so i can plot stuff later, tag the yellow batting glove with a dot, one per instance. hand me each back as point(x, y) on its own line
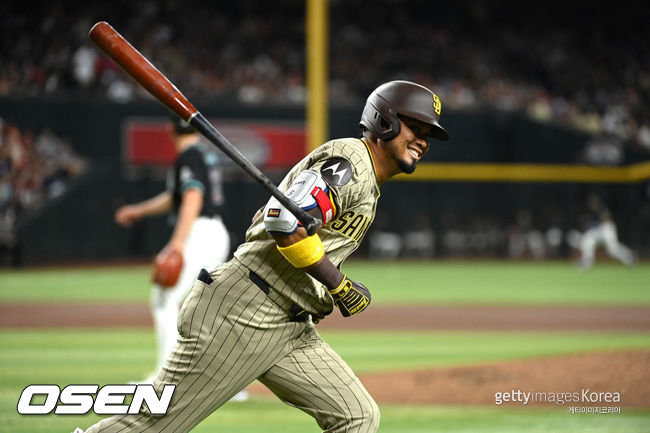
point(351, 297)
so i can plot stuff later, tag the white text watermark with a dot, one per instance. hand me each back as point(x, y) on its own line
point(81, 399)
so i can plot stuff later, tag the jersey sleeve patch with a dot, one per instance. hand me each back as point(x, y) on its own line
point(336, 171)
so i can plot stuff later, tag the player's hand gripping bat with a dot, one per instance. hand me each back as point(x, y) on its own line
point(139, 68)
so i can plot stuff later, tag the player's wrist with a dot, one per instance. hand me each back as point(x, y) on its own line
point(137, 211)
point(175, 245)
point(326, 273)
point(341, 289)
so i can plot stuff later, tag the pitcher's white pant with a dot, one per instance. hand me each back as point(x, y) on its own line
point(207, 246)
point(604, 233)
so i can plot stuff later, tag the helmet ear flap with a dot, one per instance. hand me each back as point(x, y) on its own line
point(383, 125)
point(389, 129)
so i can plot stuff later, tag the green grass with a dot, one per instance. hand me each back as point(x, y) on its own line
point(123, 283)
point(495, 420)
point(117, 356)
point(430, 282)
point(502, 283)
point(380, 351)
point(122, 355)
point(267, 415)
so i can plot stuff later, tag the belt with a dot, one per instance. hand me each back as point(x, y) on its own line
point(297, 314)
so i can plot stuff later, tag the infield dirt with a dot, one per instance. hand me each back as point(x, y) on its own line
point(624, 372)
point(467, 318)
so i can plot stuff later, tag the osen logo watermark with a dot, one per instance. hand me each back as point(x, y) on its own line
point(81, 399)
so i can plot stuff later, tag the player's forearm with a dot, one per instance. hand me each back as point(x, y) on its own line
point(326, 273)
point(162, 203)
point(187, 213)
point(323, 270)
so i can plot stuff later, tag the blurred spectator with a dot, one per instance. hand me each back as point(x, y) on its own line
point(384, 243)
point(60, 163)
point(32, 170)
point(83, 65)
point(482, 236)
point(603, 150)
point(419, 239)
point(524, 238)
point(454, 236)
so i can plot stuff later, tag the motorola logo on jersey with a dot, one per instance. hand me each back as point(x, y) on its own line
point(81, 399)
point(336, 171)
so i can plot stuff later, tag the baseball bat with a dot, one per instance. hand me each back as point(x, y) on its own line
point(139, 68)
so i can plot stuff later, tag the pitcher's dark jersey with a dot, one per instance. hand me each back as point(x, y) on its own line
point(198, 167)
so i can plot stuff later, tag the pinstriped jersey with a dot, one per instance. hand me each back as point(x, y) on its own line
point(355, 203)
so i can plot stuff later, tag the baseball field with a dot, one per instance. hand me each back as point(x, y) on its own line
point(442, 345)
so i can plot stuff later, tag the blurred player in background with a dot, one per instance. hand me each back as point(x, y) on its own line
point(194, 197)
point(253, 317)
point(601, 230)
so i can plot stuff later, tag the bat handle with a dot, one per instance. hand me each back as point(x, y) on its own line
point(311, 223)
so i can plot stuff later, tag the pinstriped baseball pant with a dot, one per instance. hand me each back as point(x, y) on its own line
point(230, 334)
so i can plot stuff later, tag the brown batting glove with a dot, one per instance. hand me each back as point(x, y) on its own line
point(351, 297)
point(167, 267)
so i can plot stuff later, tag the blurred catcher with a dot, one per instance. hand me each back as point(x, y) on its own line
point(194, 197)
point(253, 317)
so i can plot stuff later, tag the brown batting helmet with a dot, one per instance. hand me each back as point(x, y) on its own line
point(404, 98)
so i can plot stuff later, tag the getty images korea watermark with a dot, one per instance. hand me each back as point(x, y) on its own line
point(81, 399)
point(583, 401)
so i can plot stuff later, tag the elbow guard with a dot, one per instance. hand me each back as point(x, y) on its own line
point(308, 190)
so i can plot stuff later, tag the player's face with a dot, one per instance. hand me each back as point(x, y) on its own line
point(408, 148)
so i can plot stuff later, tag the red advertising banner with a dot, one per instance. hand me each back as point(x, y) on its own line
point(148, 142)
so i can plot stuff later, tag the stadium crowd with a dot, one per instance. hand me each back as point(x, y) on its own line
point(585, 65)
point(524, 234)
point(33, 169)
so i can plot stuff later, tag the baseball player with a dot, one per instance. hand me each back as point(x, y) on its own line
point(253, 317)
point(194, 196)
point(601, 229)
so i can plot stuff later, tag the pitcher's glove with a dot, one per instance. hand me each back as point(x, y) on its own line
point(351, 297)
point(167, 268)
